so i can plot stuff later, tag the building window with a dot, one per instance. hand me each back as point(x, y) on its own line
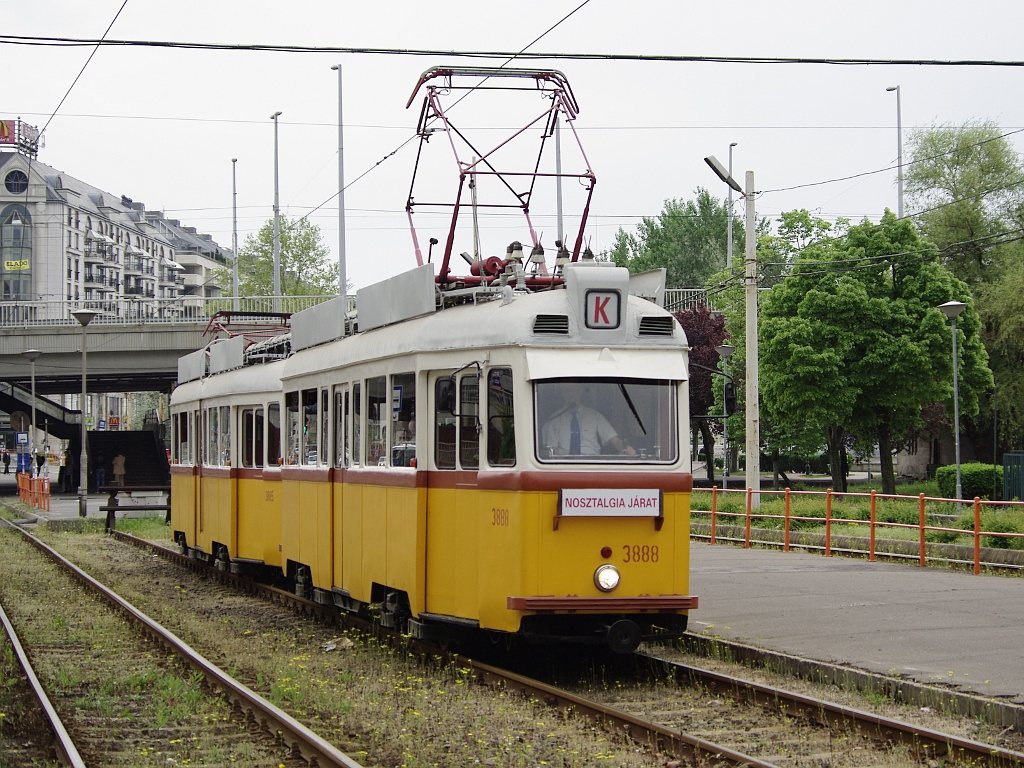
point(16, 182)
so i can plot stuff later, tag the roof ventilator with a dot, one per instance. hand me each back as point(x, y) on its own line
point(654, 325)
point(558, 324)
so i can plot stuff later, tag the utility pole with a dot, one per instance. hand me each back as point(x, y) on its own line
point(277, 224)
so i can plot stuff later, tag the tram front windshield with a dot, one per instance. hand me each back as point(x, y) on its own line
point(607, 420)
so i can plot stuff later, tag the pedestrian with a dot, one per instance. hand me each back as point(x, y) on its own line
point(101, 471)
point(7, 462)
point(63, 468)
point(69, 474)
point(118, 468)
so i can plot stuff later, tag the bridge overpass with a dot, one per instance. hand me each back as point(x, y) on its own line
point(132, 346)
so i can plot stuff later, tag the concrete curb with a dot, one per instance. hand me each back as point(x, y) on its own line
point(941, 698)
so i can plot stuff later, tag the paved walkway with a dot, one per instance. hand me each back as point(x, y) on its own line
point(927, 624)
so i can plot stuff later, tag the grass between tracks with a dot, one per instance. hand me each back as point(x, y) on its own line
point(383, 706)
point(124, 703)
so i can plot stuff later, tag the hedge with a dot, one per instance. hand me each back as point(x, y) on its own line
point(975, 478)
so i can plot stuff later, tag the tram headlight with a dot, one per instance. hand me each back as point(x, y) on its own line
point(606, 577)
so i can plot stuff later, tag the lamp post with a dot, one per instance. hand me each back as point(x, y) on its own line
point(899, 150)
point(84, 317)
point(277, 225)
point(724, 350)
point(342, 276)
point(31, 355)
point(753, 447)
point(728, 249)
point(234, 232)
point(952, 310)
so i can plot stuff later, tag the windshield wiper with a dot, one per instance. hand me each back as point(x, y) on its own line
point(629, 402)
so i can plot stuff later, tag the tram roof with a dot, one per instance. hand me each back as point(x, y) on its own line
point(488, 325)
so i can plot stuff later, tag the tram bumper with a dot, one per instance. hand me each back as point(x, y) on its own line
point(621, 623)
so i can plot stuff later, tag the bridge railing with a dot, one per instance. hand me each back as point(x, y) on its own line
point(198, 309)
point(682, 299)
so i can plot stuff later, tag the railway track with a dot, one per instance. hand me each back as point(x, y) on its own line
point(674, 730)
point(277, 739)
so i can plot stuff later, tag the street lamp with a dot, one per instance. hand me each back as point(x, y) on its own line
point(234, 232)
point(32, 355)
point(899, 150)
point(277, 225)
point(728, 249)
point(342, 276)
point(753, 448)
point(84, 317)
point(724, 350)
point(952, 310)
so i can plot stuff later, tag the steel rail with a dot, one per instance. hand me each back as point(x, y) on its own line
point(279, 723)
point(670, 741)
point(830, 715)
point(67, 752)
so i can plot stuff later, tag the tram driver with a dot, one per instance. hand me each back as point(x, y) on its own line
point(576, 429)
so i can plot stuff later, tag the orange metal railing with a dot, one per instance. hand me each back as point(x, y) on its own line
point(753, 518)
point(34, 491)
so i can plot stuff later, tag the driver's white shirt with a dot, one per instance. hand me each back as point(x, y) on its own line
point(595, 431)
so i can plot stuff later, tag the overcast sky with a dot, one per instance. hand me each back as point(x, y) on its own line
point(162, 125)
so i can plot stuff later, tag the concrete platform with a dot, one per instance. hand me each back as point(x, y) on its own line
point(931, 625)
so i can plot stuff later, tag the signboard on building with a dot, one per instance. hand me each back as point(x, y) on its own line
point(16, 264)
point(115, 421)
point(20, 134)
point(102, 425)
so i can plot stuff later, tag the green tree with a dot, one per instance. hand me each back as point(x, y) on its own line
point(688, 238)
point(852, 340)
point(305, 270)
point(704, 331)
point(965, 191)
point(964, 185)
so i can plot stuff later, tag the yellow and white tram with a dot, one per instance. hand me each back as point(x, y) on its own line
point(411, 468)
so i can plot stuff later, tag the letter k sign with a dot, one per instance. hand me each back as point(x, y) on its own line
point(602, 309)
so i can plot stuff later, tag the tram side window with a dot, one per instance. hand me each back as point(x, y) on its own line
point(218, 434)
point(212, 436)
point(341, 423)
point(445, 436)
point(357, 424)
point(309, 426)
point(181, 439)
point(224, 455)
point(377, 406)
point(273, 434)
point(191, 441)
point(403, 416)
point(325, 419)
point(293, 428)
point(501, 438)
point(469, 422)
point(248, 419)
point(252, 437)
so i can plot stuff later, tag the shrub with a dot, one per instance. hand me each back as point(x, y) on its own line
point(975, 478)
